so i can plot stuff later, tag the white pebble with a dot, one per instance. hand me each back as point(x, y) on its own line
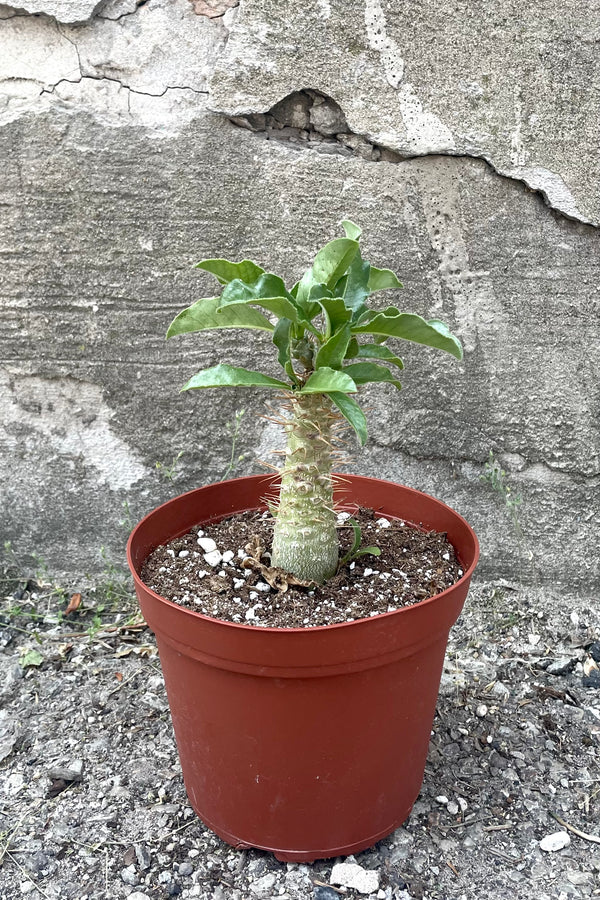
point(452, 808)
point(342, 516)
point(442, 799)
point(574, 618)
point(250, 614)
point(351, 875)
point(183, 554)
point(481, 711)
point(261, 586)
point(352, 565)
point(462, 803)
point(383, 523)
point(553, 842)
point(228, 555)
point(237, 583)
point(367, 572)
point(201, 573)
point(207, 544)
point(222, 574)
point(253, 595)
point(445, 555)
point(213, 558)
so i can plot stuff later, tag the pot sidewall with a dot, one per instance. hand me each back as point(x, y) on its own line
point(310, 742)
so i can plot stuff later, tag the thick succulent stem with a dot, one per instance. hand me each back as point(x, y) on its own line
point(305, 540)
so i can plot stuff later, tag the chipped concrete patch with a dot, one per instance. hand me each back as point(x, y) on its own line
point(61, 10)
point(45, 65)
point(553, 188)
point(74, 419)
point(114, 105)
point(213, 8)
point(138, 51)
point(35, 51)
point(450, 93)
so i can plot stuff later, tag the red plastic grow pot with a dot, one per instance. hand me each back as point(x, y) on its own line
point(308, 742)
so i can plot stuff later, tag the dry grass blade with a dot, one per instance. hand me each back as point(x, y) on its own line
point(582, 834)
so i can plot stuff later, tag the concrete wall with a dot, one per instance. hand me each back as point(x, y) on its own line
point(138, 138)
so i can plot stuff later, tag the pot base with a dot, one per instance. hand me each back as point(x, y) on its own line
point(308, 856)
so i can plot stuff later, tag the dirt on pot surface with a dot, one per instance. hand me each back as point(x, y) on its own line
point(223, 570)
point(92, 804)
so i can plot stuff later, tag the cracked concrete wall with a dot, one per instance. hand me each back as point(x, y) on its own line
point(139, 137)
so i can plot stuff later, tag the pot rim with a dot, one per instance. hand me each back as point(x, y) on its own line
point(467, 573)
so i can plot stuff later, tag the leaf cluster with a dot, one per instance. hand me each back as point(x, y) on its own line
point(327, 338)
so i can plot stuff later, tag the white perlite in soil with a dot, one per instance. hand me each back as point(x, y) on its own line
point(223, 570)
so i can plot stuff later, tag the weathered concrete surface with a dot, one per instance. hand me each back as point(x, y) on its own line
point(117, 177)
point(61, 10)
point(511, 82)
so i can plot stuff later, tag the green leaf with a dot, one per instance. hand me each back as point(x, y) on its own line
point(363, 373)
point(311, 304)
point(232, 376)
point(302, 288)
point(372, 551)
point(333, 351)
point(354, 287)
point(382, 280)
point(31, 658)
point(281, 339)
point(352, 231)
point(332, 261)
point(325, 380)
point(336, 313)
point(205, 314)
point(378, 351)
point(353, 349)
point(351, 411)
point(268, 291)
point(411, 327)
point(226, 271)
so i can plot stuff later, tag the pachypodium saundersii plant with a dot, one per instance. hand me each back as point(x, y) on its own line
point(329, 343)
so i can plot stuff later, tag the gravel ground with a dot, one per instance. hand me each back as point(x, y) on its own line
point(92, 803)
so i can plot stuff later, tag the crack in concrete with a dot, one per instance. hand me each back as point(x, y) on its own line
point(310, 120)
point(170, 87)
point(124, 15)
point(72, 43)
point(527, 469)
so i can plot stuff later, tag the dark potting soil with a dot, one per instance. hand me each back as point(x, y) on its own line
point(223, 570)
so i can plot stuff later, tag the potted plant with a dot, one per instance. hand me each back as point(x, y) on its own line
point(306, 741)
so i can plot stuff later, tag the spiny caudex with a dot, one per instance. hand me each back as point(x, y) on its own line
point(328, 343)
